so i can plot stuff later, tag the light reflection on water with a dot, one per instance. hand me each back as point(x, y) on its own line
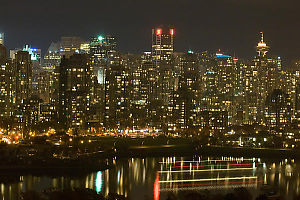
point(99, 182)
point(153, 178)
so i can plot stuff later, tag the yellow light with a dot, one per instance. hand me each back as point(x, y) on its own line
point(206, 170)
point(210, 179)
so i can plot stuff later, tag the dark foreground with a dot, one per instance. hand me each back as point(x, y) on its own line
point(88, 194)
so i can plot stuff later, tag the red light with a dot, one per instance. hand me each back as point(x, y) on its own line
point(158, 31)
point(172, 31)
point(156, 189)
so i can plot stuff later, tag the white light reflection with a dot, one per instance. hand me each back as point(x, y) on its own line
point(210, 179)
point(99, 182)
point(206, 170)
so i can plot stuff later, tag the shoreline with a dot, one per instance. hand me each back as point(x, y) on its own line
point(81, 167)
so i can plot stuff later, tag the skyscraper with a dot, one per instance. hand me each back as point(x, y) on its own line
point(74, 91)
point(163, 59)
point(162, 45)
point(186, 103)
point(117, 93)
point(103, 49)
point(5, 83)
point(70, 45)
point(278, 110)
point(23, 77)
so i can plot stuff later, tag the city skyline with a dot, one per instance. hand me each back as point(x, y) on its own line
point(231, 25)
point(78, 85)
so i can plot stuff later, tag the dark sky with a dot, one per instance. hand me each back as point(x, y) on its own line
point(232, 25)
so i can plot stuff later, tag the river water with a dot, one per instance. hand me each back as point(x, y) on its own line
point(155, 178)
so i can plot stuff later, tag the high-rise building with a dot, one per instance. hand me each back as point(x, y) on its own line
point(34, 53)
point(278, 110)
point(5, 84)
point(117, 93)
point(74, 91)
point(52, 57)
point(185, 112)
point(103, 49)
point(70, 45)
point(162, 45)
point(163, 60)
point(22, 67)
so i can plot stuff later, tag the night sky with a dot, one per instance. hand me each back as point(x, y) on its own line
point(231, 25)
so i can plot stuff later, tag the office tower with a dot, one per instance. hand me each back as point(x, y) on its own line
point(163, 58)
point(5, 84)
point(46, 92)
point(22, 67)
point(2, 38)
point(217, 99)
point(103, 49)
point(186, 102)
point(117, 93)
point(162, 53)
point(225, 83)
point(278, 110)
point(210, 99)
point(34, 53)
point(70, 45)
point(251, 90)
point(162, 45)
point(239, 100)
point(74, 91)
point(149, 91)
point(52, 57)
point(138, 99)
point(103, 53)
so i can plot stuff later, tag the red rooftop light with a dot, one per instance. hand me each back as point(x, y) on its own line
point(158, 31)
point(172, 31)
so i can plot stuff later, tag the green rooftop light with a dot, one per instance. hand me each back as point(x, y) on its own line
point(100, 38)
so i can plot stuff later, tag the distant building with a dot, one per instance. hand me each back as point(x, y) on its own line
point(52, 57)
point(70, 45)
point(22, 68)
point(278, 110)
point(162, 45)
point(74, 91)
point(117, 94)
point(186, 104)
point(6, 84)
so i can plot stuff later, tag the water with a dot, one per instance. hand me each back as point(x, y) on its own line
point(154, 178)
